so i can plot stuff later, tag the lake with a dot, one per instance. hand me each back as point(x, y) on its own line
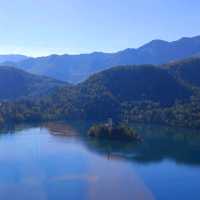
point(56, 161)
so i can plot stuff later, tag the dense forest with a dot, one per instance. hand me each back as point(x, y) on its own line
point(15, 84)
point(167, 94)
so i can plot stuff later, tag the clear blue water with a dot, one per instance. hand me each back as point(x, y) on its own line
point(56, 161)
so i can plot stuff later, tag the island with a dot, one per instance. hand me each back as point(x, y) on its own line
point(119, 131)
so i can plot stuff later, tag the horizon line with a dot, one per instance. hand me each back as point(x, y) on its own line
point(93, 52)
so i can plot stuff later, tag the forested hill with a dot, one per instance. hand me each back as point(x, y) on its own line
point(138, 83)
point(187, 70)
point(15, 83)
point(144, 93)
point(76, 68)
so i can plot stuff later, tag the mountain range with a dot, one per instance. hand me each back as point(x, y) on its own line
point(76, 68)
point(168, 94)
point(103, 94)
point(12, 58)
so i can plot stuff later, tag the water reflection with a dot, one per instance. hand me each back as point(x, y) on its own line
point(160, 142)
point(58, 161)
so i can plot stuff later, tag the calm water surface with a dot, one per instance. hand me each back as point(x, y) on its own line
point(55, 161)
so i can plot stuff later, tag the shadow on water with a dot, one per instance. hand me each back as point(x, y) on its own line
point(17, 128)
point(160, 142)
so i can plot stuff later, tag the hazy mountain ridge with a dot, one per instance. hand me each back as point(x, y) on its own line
point(10, 58)
point(76, 68)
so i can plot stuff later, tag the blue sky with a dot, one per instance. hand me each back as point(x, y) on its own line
point(42, 27)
